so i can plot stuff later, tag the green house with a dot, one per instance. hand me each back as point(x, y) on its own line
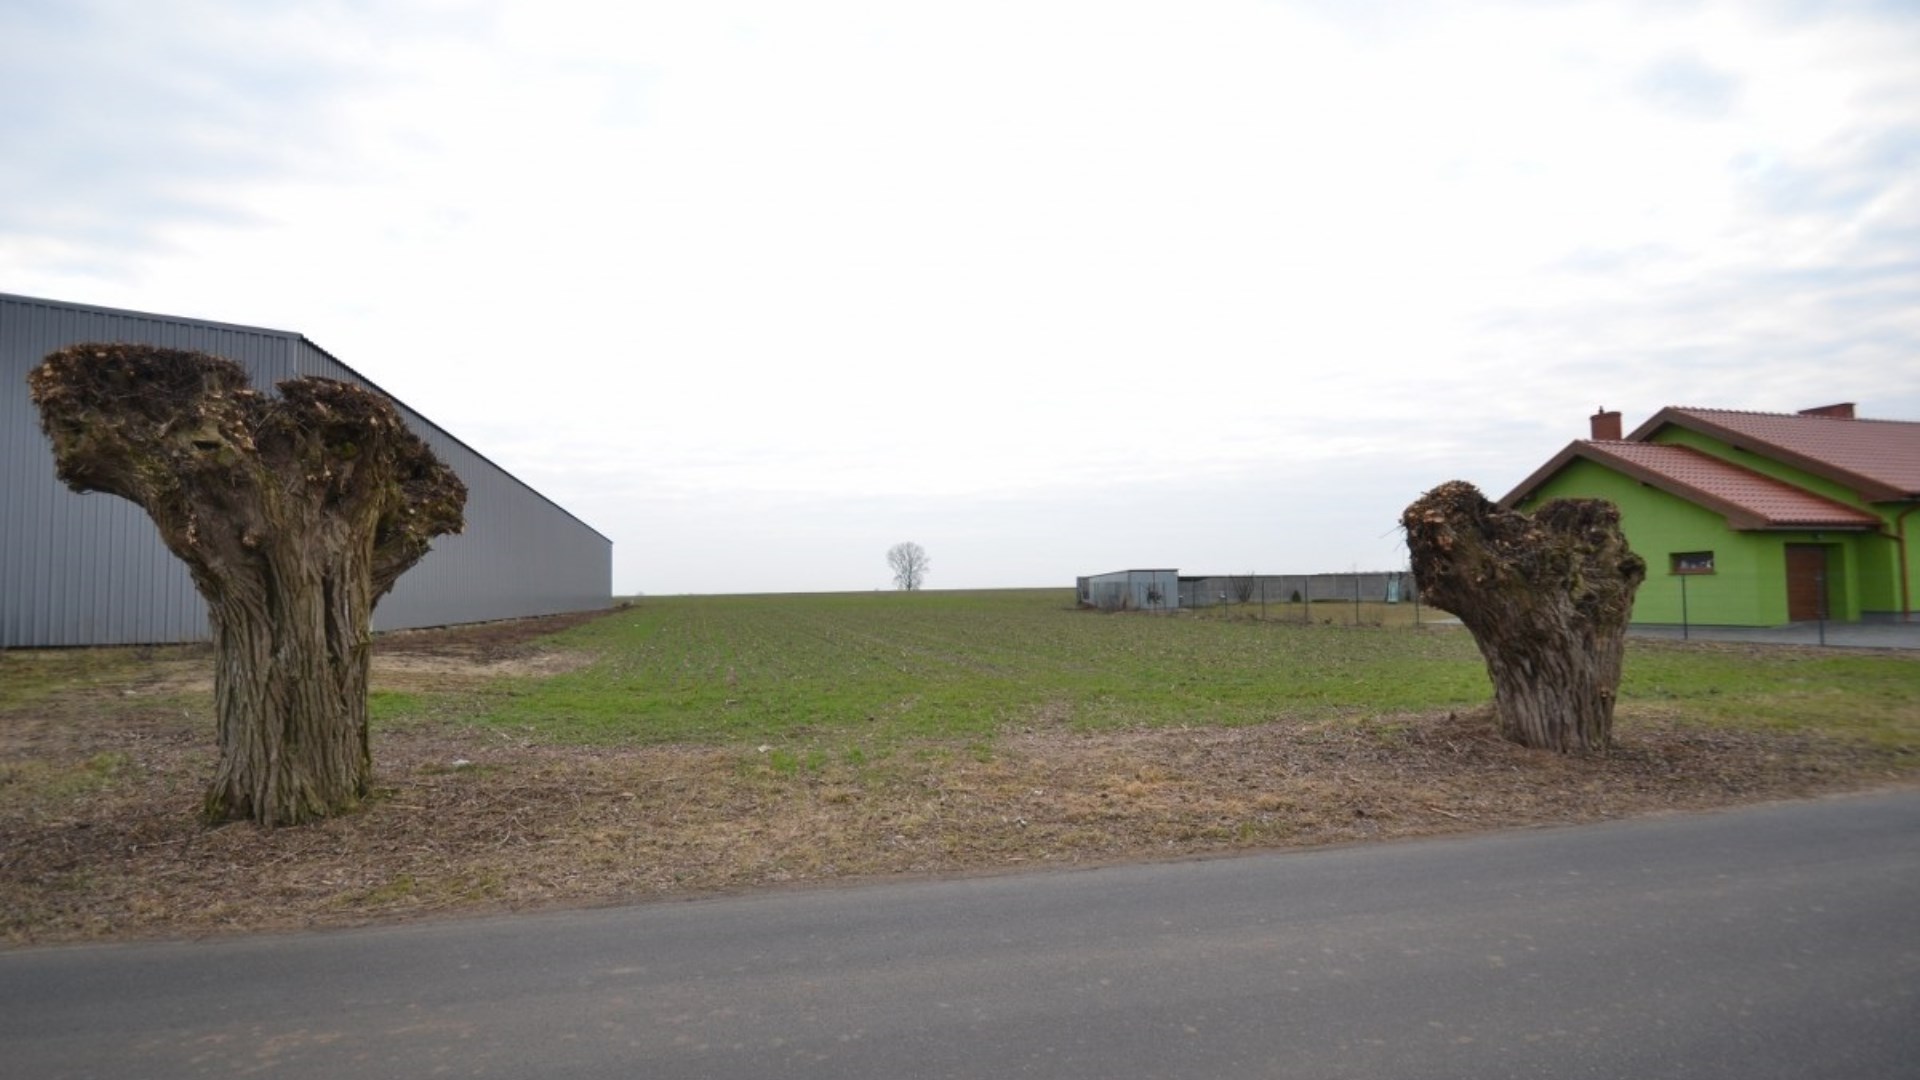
point(1754, 519)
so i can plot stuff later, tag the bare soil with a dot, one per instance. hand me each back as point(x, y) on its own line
point(99, 784)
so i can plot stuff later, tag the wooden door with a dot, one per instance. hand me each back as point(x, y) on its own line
point(1806, 582)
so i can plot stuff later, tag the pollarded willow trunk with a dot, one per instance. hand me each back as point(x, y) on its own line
point(294, 513)
point(1547, 597)
point(290, 689)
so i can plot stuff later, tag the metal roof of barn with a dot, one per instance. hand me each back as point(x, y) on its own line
point(309, 343)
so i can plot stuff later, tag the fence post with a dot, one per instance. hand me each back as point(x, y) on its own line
point(1820, 583)
point(1685, 626)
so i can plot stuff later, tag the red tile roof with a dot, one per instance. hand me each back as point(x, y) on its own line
point(1747, 499)
point(1879, 459)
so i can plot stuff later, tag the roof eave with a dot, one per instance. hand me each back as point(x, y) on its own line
point(1869, 489)
point(1737, 517)
point(1540, 476)
point(1769, 525)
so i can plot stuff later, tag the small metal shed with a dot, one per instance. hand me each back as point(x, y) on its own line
point(1132, 590)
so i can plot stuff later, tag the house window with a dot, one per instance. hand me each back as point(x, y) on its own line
point(1692, 562)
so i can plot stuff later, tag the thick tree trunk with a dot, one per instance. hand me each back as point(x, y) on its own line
point(1554, 678)
point(294, 513)
point(1547, 597)
point(290, 692)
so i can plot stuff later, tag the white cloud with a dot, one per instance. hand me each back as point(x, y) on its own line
point(1059, 280)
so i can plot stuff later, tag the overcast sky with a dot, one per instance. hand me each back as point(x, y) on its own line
point(760, 289)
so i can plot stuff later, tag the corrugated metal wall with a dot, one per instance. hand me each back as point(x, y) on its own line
point(1373, 587)
point(1133, 590)
point(90, 569)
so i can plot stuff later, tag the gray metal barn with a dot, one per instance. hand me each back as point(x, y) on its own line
point(1131, 590)
point(91, 570)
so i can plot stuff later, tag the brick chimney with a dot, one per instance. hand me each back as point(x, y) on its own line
point(1842, 411)
point(1606, 426)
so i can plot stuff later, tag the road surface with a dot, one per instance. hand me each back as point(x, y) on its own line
point(1780, 941)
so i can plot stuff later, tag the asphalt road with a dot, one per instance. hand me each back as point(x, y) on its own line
point(1782, 941)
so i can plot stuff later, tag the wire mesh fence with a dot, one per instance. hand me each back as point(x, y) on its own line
point(1684, 607)
point(1776, 608)
point(1375, 598)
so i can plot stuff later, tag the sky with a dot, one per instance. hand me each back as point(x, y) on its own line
point(759, 290)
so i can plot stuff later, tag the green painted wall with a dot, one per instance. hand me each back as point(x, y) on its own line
point(1748, 585)
point(1907, 599)
point(1880, 573)
point(1875, 560)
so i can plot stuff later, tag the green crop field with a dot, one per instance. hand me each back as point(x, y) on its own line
point(884, 666)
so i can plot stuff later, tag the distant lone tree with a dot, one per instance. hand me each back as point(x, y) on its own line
point(295, 513)
point(910, 565)
point(1547, 596)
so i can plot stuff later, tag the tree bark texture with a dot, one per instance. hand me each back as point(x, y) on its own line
point(1547, 597)
point(295, 513)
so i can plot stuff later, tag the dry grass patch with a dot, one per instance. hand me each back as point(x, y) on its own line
point(468, 823)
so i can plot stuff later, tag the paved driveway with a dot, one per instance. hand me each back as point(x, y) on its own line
point(1868, 635)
